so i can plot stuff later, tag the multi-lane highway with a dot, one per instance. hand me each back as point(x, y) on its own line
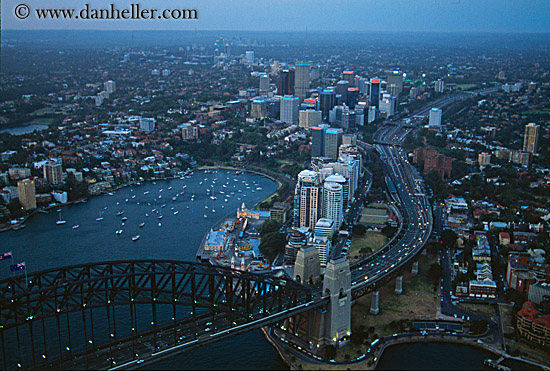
point(409, 194)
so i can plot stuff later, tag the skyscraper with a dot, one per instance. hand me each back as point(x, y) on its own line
point(333, 139)
point(309, 118)
point(109, 86)
point(348, 121)
point(249, 55)
point(285, 82)
point(388, 105)
point(395, 82)
point(435, 117)
point(531, 138)
point(349, 76)
point(439, 86)
point(328, 101)
point(341, 180)
point(264, 83)
point(258, 109)
point(289, 109)
point(318, 140)
point(27, 196)
point(352, 97)
point(53, 172)
point(374, 92)
point(333, 201)
point(306, 200)
point(342, 89)
point(301, 85)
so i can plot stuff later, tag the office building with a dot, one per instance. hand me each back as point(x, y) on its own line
point(249, 56)
point(531, 138)
point(328, 100)
point(333, 202)
point(350, 139)
point(318, 140)
point(333, 139)
point(189, 132)
point(53, 173)
point(388, 105)
point(374, 93)
point(258, 109)
point(309, 118)
point(27, 195)
point(296, 241)
point(306, 200)
point(352, 97)
point(285, 82)
point(301, 84)
point(325, 227)
point(289, 109)
point(342, 90)
point(323, 246)
point(435, 118)
point(484, 159)
point(439, 86)
point(394, 82)
point(147, 124)
point(372, 114)
point(337, 178)
point(349, 76)
point(264, 83)
point(310, 104)
point(348, 121)
point(109, 86)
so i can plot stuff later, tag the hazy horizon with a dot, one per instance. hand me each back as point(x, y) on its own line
point(487, 16)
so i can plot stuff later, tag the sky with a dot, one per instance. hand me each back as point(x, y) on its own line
point(501, 16)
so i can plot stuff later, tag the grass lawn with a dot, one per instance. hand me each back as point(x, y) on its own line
point(362, 246)
point(42, 121)
point(466, 86)
point(482, 309)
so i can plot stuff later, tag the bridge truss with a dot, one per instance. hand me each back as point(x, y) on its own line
point(101, 315)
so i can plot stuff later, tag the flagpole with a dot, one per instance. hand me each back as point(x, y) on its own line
point(26, 280)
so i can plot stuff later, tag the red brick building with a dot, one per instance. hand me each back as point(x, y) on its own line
point(533, 325)
point(433, 160)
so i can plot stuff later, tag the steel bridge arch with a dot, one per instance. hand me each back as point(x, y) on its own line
point(234, 297)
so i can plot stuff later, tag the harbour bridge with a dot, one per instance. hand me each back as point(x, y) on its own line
point(106, 315)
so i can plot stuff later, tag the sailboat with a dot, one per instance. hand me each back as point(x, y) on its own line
point(60, 221)
point(100, 217)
